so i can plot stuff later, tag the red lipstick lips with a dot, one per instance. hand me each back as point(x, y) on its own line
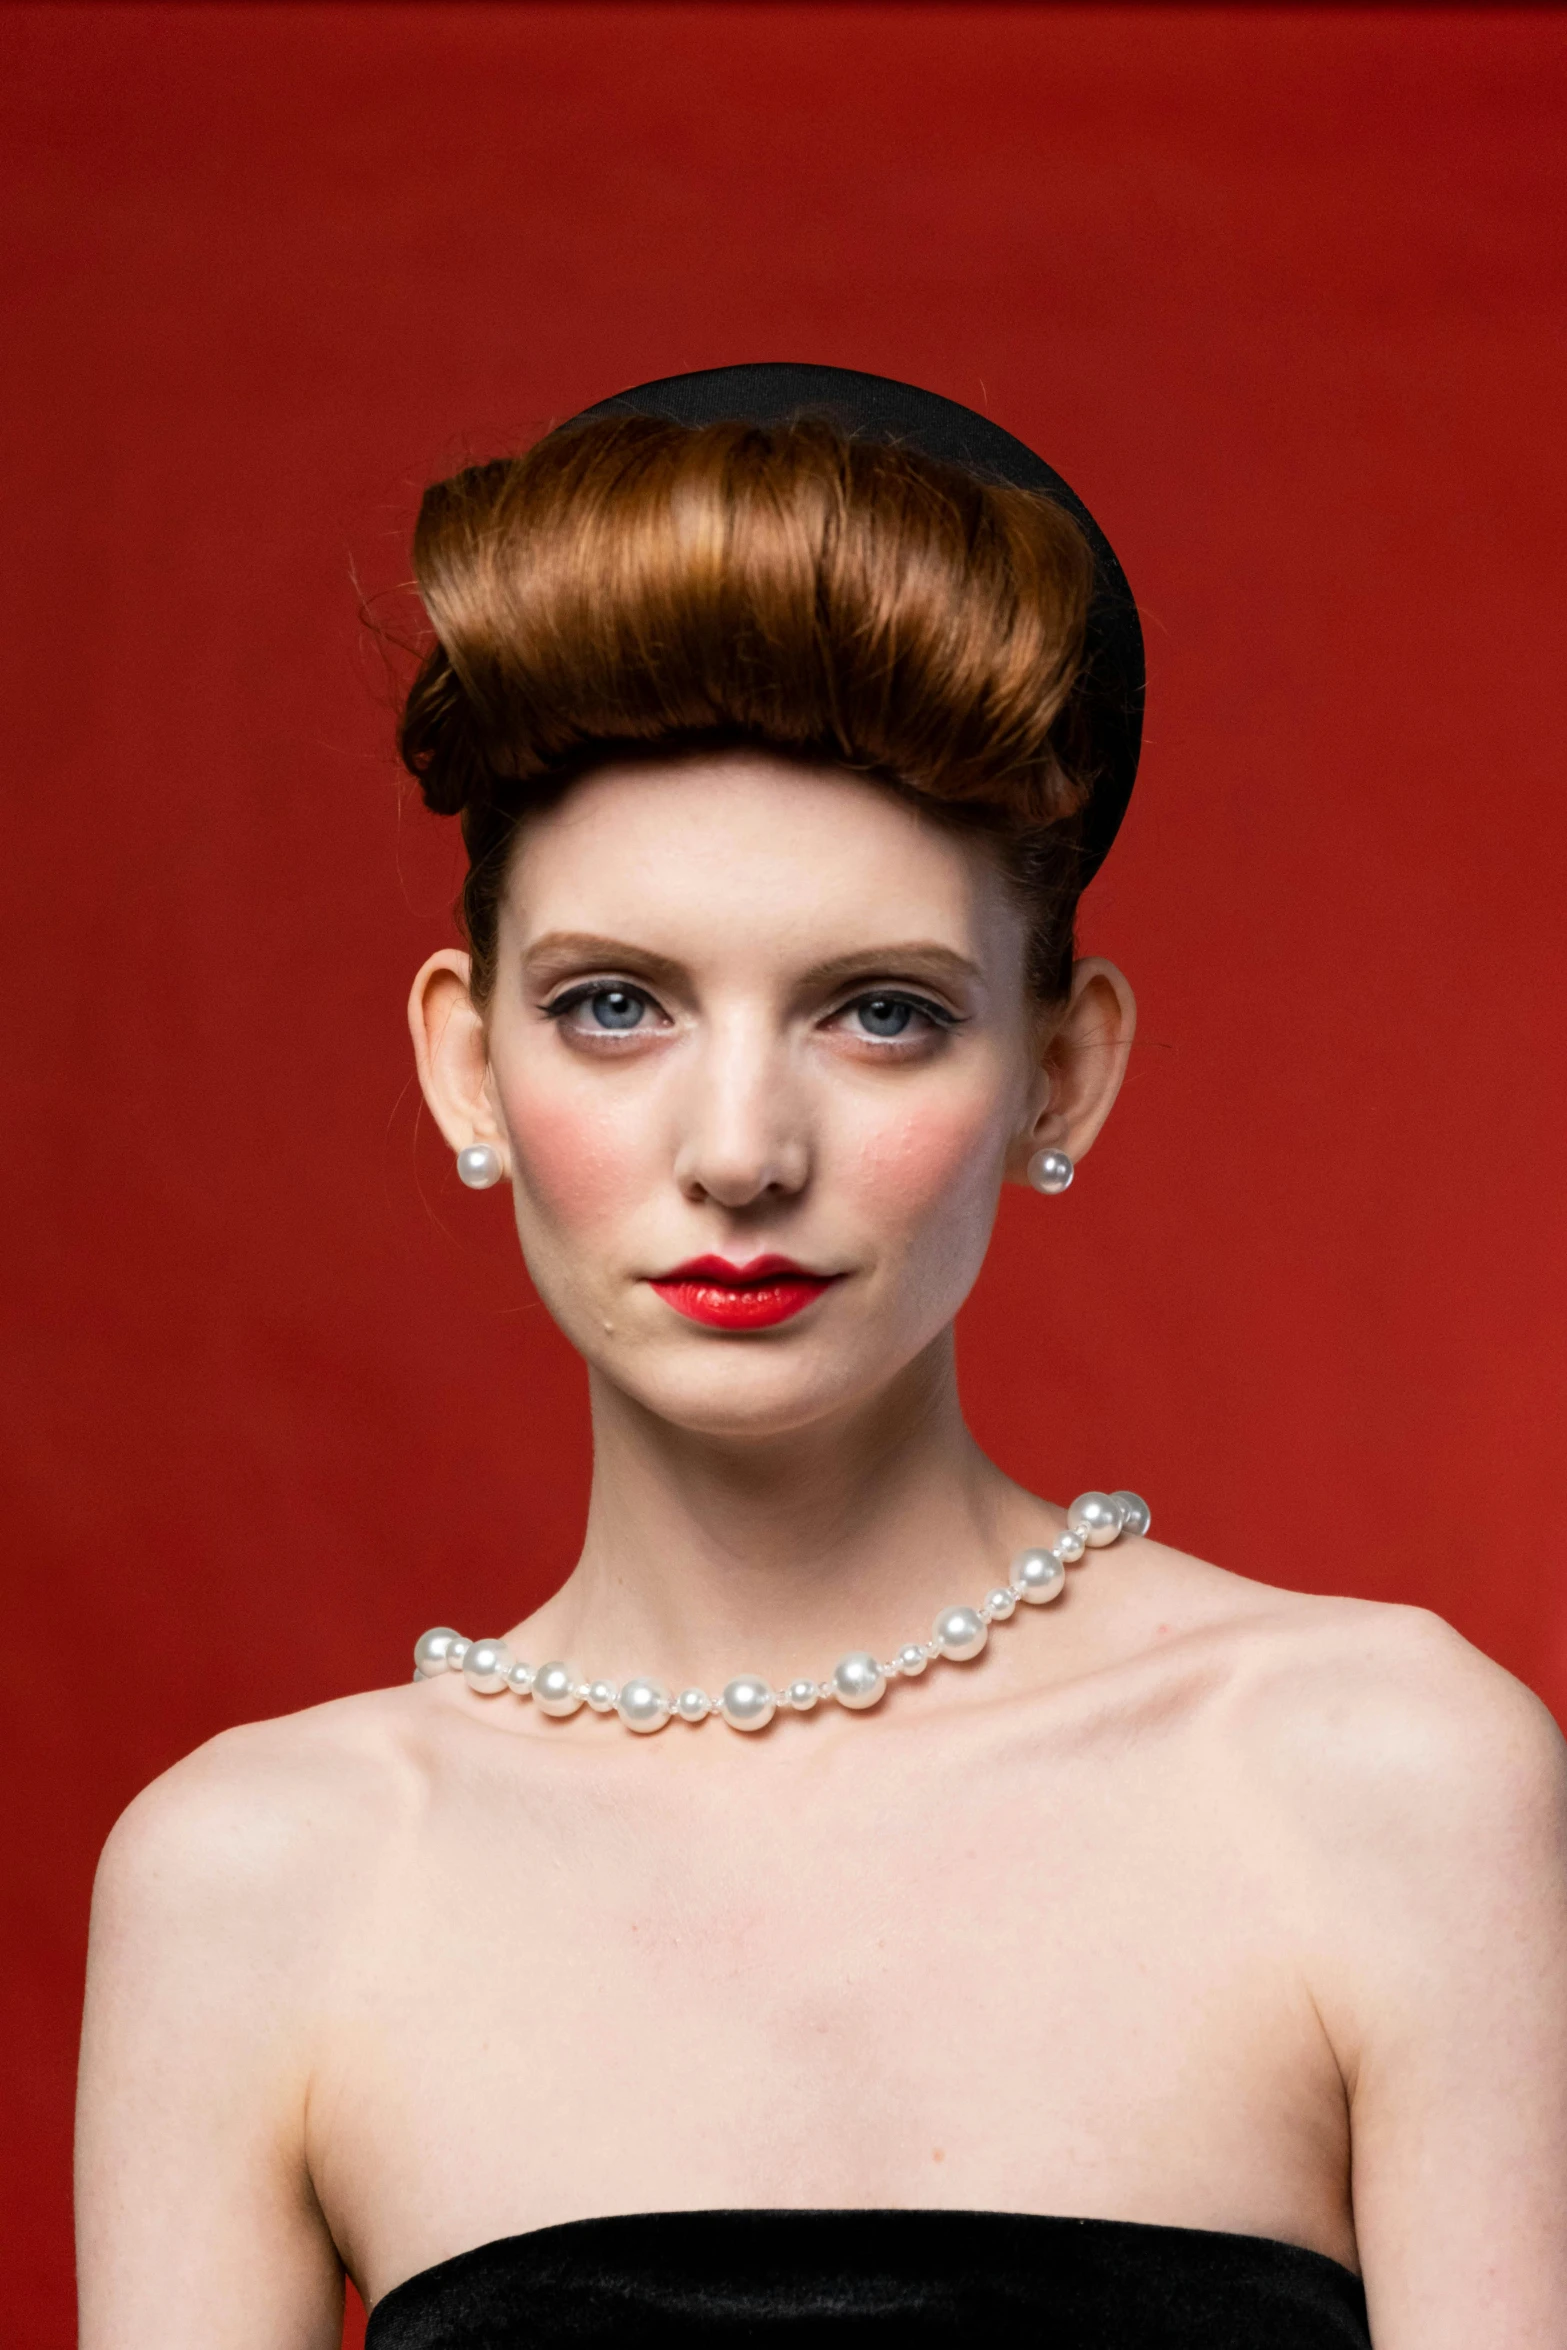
point(741, 1297)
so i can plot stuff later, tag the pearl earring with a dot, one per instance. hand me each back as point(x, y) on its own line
point(480, 1165)
point(1050, 1171)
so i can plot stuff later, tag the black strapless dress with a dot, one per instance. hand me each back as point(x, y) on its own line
point(986, 2277)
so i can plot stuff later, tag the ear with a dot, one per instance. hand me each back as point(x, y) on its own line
point(1082, 1060)
point(451, 1051)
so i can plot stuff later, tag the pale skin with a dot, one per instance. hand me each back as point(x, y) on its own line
point(1191, 1901)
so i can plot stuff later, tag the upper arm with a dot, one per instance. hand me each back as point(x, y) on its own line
point(1436, 1800)
point(197, 2224)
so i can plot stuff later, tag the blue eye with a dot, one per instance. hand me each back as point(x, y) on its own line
point(884, 1015)
point(890, 1019)
point(610, 1010)
point(617, 1007)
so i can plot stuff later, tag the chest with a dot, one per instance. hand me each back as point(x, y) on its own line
point(1003, 1987)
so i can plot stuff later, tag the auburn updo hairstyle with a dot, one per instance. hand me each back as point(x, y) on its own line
point(631, 586)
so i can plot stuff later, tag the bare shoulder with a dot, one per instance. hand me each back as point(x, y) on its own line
point(1375, 1731)
point(1385, 1706)
point(268, 1822)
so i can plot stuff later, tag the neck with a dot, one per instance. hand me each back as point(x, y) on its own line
point(704, 1557)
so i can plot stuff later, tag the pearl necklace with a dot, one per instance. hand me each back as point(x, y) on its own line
point(748, 1703)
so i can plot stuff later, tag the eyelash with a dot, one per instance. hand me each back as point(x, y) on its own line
point(584, 992)
point(937, 1014)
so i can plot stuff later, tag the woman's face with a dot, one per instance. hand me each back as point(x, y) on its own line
point(763, 1021)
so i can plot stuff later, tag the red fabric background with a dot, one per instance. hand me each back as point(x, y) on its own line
point(1281, 292)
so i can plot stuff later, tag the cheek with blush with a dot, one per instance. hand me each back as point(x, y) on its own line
point(576, 1154)
point(927, 1182)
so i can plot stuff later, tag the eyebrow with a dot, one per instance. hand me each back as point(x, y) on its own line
point(906, 954)
point(586, 946)
point(927, 955)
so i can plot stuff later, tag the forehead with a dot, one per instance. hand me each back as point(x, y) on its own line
point(742, 853)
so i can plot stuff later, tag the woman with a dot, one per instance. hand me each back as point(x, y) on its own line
point(1192, 1951)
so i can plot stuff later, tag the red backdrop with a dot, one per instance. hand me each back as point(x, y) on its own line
point(1280, 291)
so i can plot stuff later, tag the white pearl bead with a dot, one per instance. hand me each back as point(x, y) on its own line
point(430, 1649)
point(747, 1703)
point(858, 1680)
point(962, 1633)
point(1050, 1171)
point(1096, 1517)
point(485, 1666)
point(1039, 1575)
point(1139, 1517)
point(556, 1689)
point(644, 1705)
point(479, 1166)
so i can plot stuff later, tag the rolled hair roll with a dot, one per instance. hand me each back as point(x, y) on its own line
point(635, 587)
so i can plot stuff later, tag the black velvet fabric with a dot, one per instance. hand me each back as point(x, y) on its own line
point(908, 2276)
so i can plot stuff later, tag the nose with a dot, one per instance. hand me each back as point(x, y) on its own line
point(743, 1134)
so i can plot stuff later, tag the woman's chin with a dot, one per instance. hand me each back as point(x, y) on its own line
point(746, 1387)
